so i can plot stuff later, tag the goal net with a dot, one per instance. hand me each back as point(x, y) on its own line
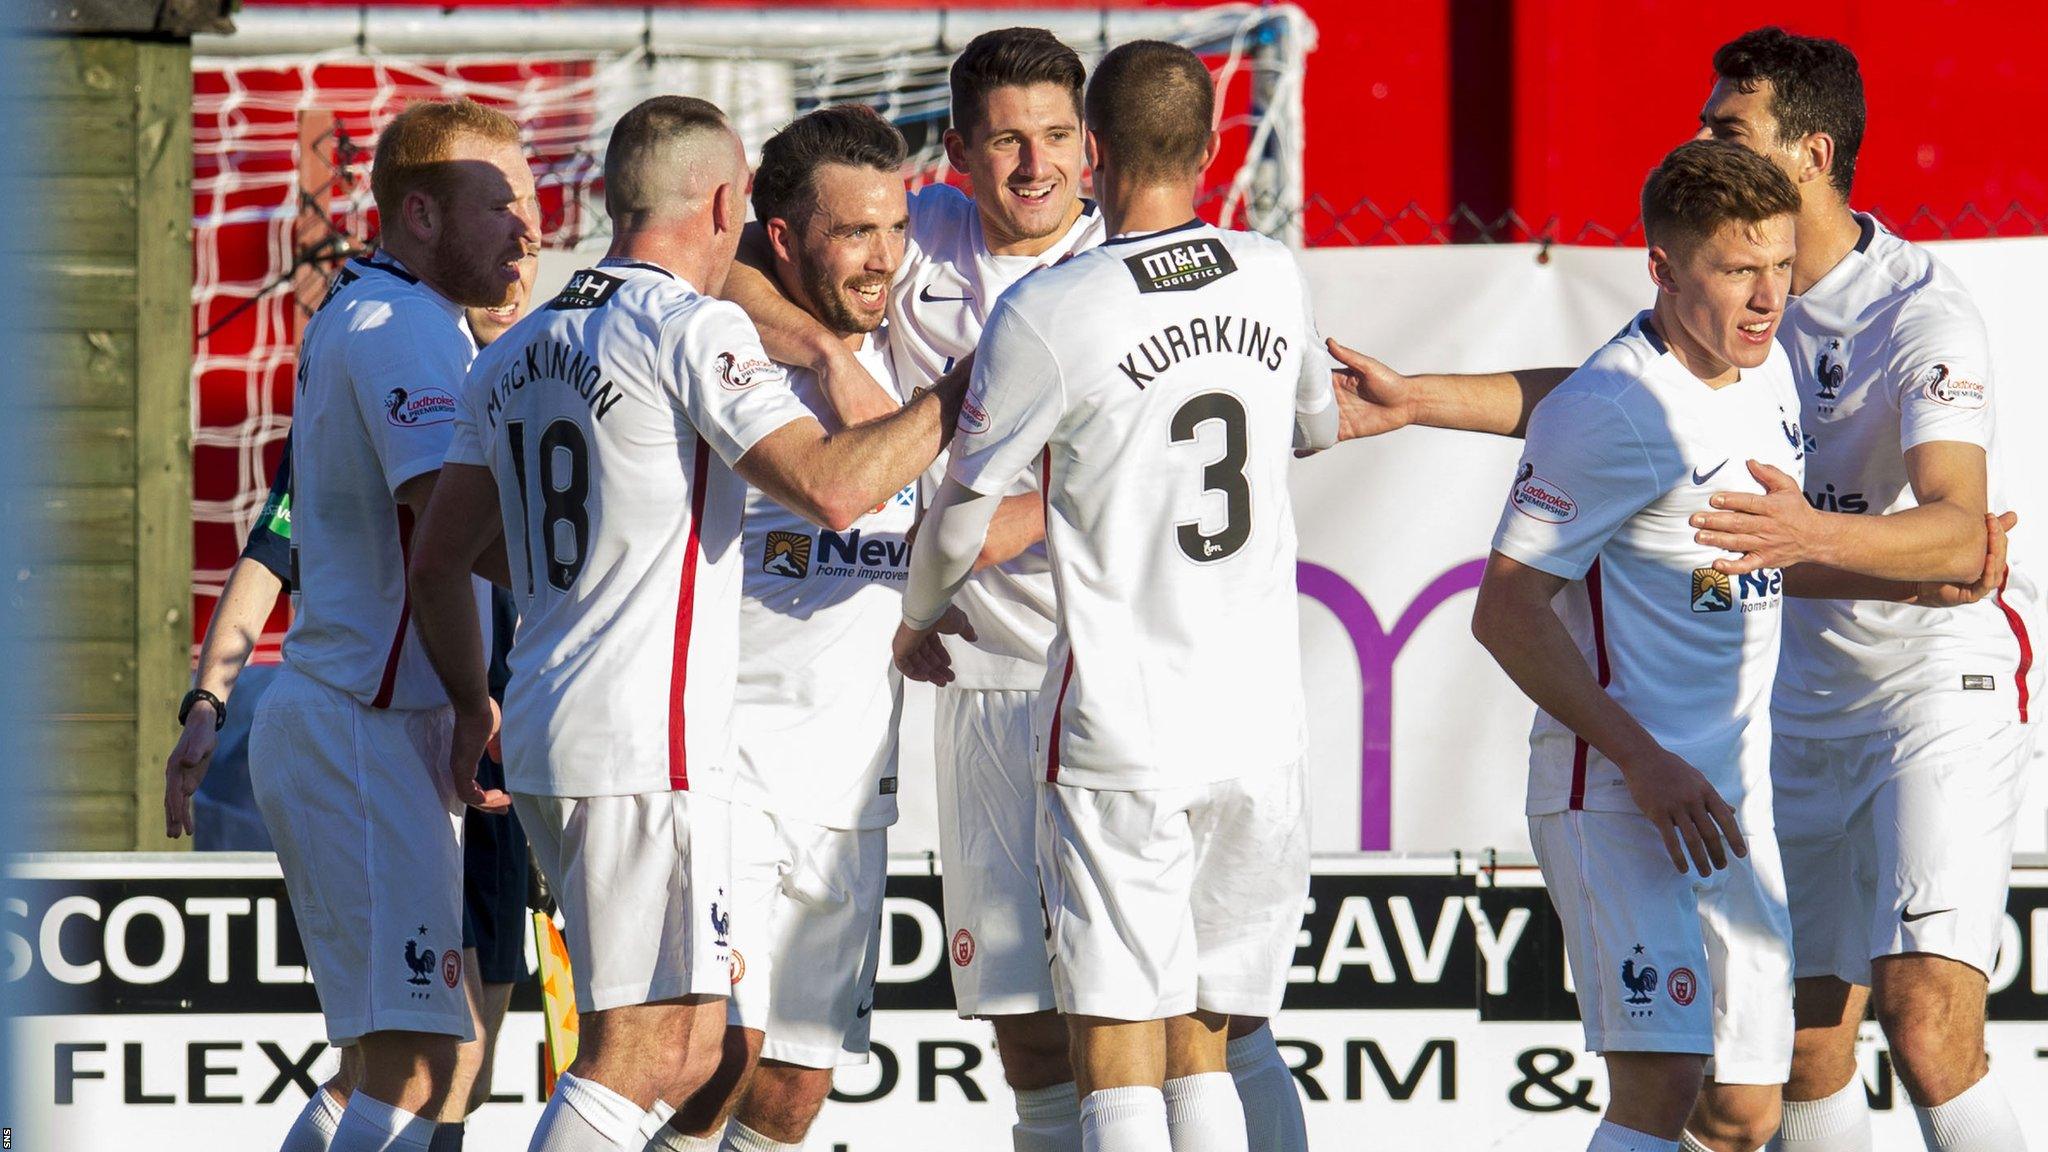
point(286, 113)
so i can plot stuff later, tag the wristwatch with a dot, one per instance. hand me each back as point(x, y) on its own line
point(220, 708)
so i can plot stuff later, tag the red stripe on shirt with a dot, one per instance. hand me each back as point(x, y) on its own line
point(2019, 633)
point(389, 683)
point(686, 601)
point(1579, 749)
point(1052, 749)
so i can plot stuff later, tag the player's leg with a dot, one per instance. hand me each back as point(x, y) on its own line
point(1265, 1087)
point(1747, 931)
point(819, 1011)
point(494, 871)
point(1251, 861)
point(988, 825)
point(1830, 876)
point(313, 1131)
point(1118, 869)
point(1632, 933)
point(1944, 819)
point(381, 925)
point(641, 881)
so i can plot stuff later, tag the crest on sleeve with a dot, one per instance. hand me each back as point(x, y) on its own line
point(737, 374)
point(1539, 499)
point(1942, 385)
point(418, 407)
point(973, 413)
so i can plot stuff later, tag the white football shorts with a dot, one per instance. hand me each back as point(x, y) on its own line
point(806, 935)
point(643, 882)
point(1161, 901)
point(988, 832)
point(369, 836)
point(1899, 841)
point(1667, 961)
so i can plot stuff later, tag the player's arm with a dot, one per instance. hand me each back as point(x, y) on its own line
point(951, 537)
point(261, 572)
point(1518, 625)
point(1316, 418)
point(794, 336)
point(834, 478)
point(1941, 540)
point(1018, 523)
point(1819, 582)
point(459, 525)
point(1373, 398)
point(231, 635)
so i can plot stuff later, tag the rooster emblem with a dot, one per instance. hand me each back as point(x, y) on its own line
point(1829, 370)
point(420, 962)
point(1640, 981)
point(720, 921)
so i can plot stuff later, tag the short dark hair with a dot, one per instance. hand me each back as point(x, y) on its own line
point(1815, 87)
point(412, 148)
point(1009, 57)
point(649, 123)
point(1152, 106)
point(1704, 185)
point(786, 183)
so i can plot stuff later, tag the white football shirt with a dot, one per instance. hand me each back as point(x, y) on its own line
point(378, 374)
point(814, 718)
point(942, 297)
point(1618, 459)
point(610, 418)
point(1153, 382)
point(1889, 352)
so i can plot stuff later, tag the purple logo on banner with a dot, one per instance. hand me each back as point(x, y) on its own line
point(1376, 648)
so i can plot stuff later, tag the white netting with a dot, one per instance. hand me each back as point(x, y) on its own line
point(282, 144)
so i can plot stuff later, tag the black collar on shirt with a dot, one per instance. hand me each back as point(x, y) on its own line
point(1140, 237)
point(371, 261)
point(1649, 330)
point(618, 262)
point(1869, 233)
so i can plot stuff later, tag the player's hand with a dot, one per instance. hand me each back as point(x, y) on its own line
point(1933, 595)
point(474, 728)
point(186, 767)
point(919, 654)
point(852, 392)
point(1689, 814)
point(1371, 398)
point(1774, 530)
point(494, 747)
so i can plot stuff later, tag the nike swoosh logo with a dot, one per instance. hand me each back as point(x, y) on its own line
point(925, 294)
point(1698, 478)
point(1907, 916)
point(862, 1010)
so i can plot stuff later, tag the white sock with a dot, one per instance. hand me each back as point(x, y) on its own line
point(313, 1131)
point(1126, 1119)
point(740, 1138)
point(666, 1139)
point(1612, 1137)
point(1272, 1104)
point(585, 1116)
point(373, 1126)
point(1687, 1142)
point(1837, 1123)
point(1048, 1119)
point(1979, 1120)
point(1203, 1114)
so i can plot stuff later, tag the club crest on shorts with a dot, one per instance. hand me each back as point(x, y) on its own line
point(963, 948)
point(720, 920)
point(737, 963)
point(1641, 982)
point(421, 962)
point(451, 967)
point(1683, 986)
